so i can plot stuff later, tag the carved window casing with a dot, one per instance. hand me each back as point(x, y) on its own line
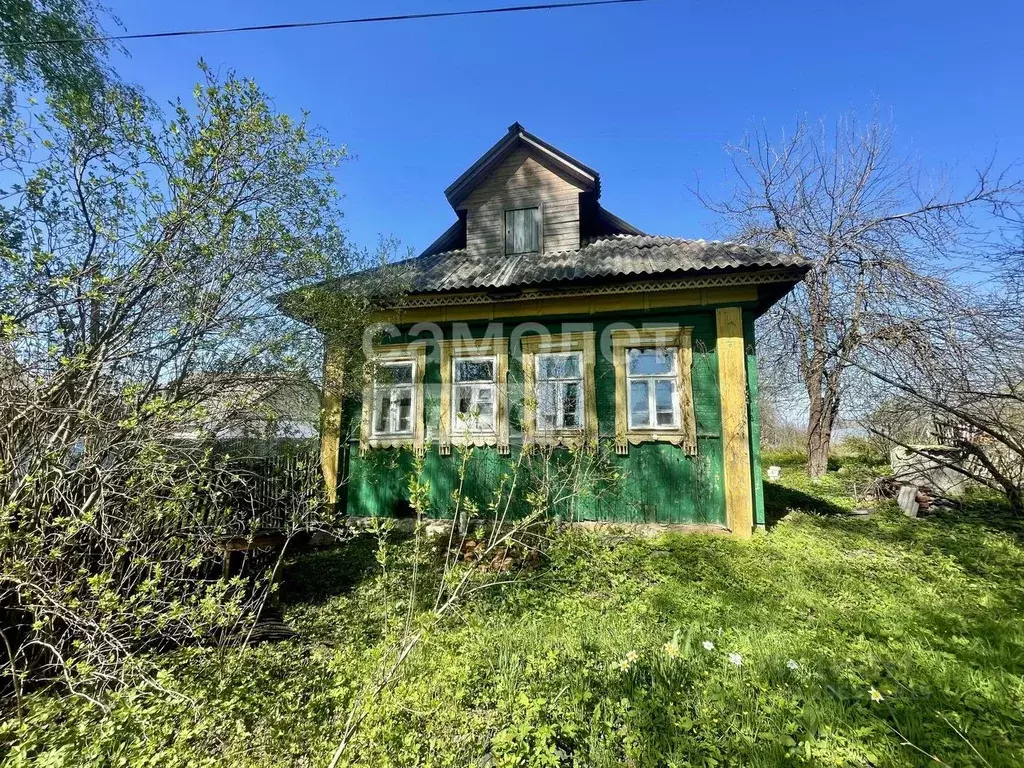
point(560, 403)
point(474, 393)
point(393, 398)
point(653, 388)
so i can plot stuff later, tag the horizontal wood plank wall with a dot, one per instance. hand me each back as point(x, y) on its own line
point(732, 374)
point(522, 182)
point(656, 482)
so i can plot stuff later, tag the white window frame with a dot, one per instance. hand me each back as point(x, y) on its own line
point(380, 386)
point(560, 400)
point(651, 380)
point(540, 228)
point(459, 422)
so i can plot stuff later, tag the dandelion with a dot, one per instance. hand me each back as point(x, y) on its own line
point(792, 664)
point(736, 659)
point(672, 649)
point(876, 696)
point(708, 645)
point(632, 657)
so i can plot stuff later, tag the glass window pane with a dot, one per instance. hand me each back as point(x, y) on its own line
point(571, 366)
point(651, 362)
point(484, 415)
point(548, 367)
point(397, 374)
point(560, 366)
point(664, 400)
point(474, 370)
point(484, 394)
point(382, 410)
point(571, 406)
point(546, 406)
point(639, 405)
point(404, 398)
point(463, 400)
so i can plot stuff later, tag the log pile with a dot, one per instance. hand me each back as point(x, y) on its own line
point(515, 556)
point(922, 499)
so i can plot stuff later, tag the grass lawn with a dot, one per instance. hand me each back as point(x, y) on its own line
point(687, 650)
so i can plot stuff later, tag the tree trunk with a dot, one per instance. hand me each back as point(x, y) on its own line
point(1016, 499)
point(819, 432)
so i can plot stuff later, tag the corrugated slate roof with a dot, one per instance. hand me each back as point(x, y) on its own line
point(616, 256)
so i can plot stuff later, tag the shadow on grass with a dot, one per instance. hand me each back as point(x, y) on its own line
point(779, 501)
point(316, 575)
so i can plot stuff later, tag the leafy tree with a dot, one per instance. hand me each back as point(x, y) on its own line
point(67, 69)
point(141, 257)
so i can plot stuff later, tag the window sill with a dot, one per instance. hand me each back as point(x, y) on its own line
point(474, 440)
point(563, 437)
point(406, 440)
point(673, 436)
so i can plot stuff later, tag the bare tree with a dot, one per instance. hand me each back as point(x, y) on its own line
point(877, 237)
point(964, 371)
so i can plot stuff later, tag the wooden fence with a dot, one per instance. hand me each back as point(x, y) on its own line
point(265, 493)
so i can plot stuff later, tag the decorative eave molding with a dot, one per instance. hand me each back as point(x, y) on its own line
point(761, 277)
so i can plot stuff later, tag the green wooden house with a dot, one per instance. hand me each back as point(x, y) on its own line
point(541, 325)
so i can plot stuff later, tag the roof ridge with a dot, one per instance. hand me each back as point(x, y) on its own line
point(598, 239)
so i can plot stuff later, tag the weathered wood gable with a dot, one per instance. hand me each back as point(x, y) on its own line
point(522, 181)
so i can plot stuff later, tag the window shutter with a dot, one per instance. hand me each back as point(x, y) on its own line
point(510, 217)
point(522, 231)
point(529, 230)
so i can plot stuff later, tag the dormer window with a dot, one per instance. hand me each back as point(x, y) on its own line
point(522, 231)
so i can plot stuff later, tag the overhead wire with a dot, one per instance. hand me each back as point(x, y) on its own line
point(329, 23)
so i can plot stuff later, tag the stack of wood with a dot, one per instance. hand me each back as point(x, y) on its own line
point(512, 557)
point(912, 499)
point(270, 628)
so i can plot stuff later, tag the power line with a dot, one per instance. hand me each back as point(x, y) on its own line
point(332, 23)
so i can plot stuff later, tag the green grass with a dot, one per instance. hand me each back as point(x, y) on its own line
point(929, 613)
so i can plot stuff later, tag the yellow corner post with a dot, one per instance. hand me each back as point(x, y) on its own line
point(330, 434)
point(732, 375)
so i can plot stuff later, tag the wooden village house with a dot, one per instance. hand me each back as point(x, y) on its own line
point(539, 322)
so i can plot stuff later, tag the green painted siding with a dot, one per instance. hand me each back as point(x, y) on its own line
point(754, 417)
point(656, 482)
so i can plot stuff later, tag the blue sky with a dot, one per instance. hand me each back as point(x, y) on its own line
point(647, 94)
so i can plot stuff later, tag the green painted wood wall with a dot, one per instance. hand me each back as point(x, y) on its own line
point(654, 483)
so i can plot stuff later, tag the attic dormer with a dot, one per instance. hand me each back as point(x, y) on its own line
point(523, 197)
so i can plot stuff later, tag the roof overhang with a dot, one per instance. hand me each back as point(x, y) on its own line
point(757, 289)
point(517, 136)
